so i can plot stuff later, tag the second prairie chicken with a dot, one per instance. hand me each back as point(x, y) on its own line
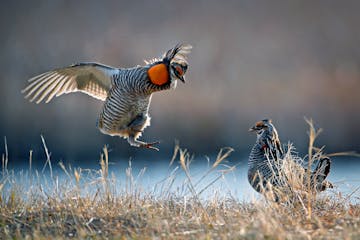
point(266, 162)
point(126, 91)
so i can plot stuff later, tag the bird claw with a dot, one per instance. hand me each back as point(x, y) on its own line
point(133, 142)
point(150, 145)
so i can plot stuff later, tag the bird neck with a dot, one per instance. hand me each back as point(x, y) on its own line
point(257, 155)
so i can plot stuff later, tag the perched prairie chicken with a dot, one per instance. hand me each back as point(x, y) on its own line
point(126, 91)
point(266, 162)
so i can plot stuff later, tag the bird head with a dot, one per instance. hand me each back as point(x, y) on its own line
point(267, 135)
point(261, 126)
point(178, 70)
point(171, 67)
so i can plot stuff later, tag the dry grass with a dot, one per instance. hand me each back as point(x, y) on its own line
point(89, 204)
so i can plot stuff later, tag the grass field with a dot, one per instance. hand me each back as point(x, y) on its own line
point(88, 204)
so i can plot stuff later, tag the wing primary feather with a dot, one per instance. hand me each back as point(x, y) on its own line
point(41, 89)
point(56, 89)
point(38, 76)
point(49, 88)
point(37, 80)
point(65, 87)
point(37, 84)
point(93, 79)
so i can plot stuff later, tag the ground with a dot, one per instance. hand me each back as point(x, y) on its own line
point(88, 204)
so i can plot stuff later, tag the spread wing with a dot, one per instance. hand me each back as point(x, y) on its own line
point(93, 79)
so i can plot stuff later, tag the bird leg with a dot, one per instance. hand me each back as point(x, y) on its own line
point(136, 127)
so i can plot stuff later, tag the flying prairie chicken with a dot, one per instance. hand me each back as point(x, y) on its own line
point(126, 91)
point(266, 161)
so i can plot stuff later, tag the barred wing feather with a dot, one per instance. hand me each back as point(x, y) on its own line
point(93, 79)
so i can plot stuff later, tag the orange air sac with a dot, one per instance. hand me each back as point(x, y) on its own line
point(158, 74)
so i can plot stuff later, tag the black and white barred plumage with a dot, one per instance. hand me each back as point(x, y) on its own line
point(126, 91)
point(266, 162)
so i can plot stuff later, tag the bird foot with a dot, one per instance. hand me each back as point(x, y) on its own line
point(133, 142)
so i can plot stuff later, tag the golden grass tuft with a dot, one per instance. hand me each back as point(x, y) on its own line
point(88, 204)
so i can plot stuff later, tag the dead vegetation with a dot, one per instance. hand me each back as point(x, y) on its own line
point(89, 204)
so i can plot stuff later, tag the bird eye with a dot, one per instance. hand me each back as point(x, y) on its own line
point(179, 70)
point(259, 124)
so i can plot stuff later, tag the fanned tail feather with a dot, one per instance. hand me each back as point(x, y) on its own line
point(320, 174)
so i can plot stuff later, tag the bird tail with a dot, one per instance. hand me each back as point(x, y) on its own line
point(320, 173)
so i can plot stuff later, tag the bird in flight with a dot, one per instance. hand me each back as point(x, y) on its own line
point(126, 92)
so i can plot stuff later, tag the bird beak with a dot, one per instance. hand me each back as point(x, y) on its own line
point(252, 129)
point(182, 79)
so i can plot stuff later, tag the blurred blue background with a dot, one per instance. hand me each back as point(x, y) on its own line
point(284, 60)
